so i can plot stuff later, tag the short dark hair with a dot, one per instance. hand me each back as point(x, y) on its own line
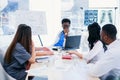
point(66, 20)
point(110, 30)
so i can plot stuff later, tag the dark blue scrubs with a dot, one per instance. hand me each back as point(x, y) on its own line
point(61, 40)
point(18, 63)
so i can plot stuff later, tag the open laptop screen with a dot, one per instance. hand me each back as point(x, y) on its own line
point(72, 42)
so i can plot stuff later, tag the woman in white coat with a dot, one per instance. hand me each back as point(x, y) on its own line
point(97, 47)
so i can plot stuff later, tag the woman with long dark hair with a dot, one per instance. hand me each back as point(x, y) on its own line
point(95, 44)
point(20, 53)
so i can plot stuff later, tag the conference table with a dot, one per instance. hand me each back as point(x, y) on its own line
point(55, 68)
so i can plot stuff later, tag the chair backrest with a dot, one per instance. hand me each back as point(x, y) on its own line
point(2, 53)
point(3, 74)
point(1, 56)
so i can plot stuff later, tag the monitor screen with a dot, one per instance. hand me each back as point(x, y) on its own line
point(72, 42)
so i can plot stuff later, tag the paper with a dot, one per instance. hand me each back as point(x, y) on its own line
point(35, 19)
point(60, 65)
point(42, 59)
point(38, 71)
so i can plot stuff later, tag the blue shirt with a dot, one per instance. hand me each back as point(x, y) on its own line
point(60, 40)
point(16, 68)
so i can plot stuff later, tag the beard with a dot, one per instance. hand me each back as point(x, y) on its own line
point(104, 42)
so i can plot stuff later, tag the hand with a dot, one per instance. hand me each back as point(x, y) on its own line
point(76, 53)
point(72, 52)
point(66, 34)
point(66, 30)
point(48, 53)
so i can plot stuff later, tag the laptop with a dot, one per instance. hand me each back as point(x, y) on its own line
point(72, 42)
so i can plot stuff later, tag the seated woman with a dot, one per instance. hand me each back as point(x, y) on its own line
point(97, 47)
point(20, 53)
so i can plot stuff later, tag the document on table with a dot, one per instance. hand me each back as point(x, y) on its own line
point(42, 71)
point(42, 59)
point(60, 65)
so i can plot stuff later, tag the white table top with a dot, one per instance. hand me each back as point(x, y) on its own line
point(59, 69)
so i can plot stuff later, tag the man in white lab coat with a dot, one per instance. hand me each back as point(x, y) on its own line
point(108, 67)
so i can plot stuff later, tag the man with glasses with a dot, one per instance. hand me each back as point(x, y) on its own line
point(61, 38)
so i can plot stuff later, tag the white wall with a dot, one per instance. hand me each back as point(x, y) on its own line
point(118, 18)
point(102, 3)
point(53, 16)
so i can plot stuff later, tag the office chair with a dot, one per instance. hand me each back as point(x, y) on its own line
point(3, 74)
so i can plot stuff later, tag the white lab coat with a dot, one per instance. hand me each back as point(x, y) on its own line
point(109, 61)
point(95, 53)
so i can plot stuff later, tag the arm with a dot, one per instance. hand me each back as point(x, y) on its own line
point(93, 52)
point(66, 31)
point(96, 49)
point(76, 53)
point(33, 54)
point(42, 49)
point(103, 66)
point(43, 53)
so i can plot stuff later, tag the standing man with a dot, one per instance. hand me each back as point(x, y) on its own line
point(108, 67)
point(61, 38)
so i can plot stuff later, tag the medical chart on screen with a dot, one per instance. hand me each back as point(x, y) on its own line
point(35, 19)
point(90, 16)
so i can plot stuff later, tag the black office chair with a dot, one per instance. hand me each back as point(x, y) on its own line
point(110, 76)
point(37, 78)
point(1, 56)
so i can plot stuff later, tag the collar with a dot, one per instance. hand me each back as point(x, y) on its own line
point(114, 44)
